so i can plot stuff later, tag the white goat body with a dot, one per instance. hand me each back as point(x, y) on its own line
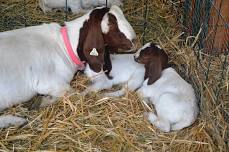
point(125, 71)
point(174, 100)
point(77, 6)
point(34, 60)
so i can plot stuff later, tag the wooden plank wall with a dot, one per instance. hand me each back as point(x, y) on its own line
point(217, 33)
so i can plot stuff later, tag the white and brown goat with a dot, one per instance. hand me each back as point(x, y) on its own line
point(34, 60)
point(122, 69)
point(173, 98)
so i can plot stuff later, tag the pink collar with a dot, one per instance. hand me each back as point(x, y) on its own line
point(68, 46)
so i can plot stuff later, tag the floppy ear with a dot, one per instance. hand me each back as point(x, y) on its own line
point(91, 34)
point(154, 70)
point(94, 39)
point(107, 63)
point(164, 60)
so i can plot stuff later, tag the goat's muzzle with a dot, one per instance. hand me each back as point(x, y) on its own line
point(136, 59)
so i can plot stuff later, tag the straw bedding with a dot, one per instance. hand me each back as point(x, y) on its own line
point(93, 123)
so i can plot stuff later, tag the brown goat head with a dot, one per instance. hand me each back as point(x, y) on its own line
point(118, 33)
point(105, 27)
point(155, 60)
point(91, 38)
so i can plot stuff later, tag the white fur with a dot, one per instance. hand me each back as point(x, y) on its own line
point(88, 4)
point(104, 24)
point(77, 6)
point(110, 2)
point(34, 61)
point(125, 71)
point(123, 25)
point(48, 5)
point(9, 120)
point(174, 100)
point(158, 46)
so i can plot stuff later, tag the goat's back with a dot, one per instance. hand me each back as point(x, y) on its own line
point(124, 68)
point(28, 56)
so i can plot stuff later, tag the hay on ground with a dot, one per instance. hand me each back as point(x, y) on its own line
point(93, 123)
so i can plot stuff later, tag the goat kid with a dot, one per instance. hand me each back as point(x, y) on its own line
point(173, 98)
point(127, 72)
point(36, 60)
point(76, 6)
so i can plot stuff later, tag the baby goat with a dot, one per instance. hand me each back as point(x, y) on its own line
point(173, 98)
point(128, 72)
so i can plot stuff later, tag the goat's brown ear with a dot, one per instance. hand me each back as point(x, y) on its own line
point(91, 34)
point(107, 67)
point(154, 70)
point(94, 39)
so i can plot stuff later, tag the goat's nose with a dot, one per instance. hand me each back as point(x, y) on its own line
point(135, 58)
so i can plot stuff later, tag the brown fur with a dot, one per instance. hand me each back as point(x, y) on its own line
point(91, 36)
point(115, 38)
point(155, 60)
point(107, 67)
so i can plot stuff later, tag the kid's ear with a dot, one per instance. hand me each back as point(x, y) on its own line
point(154, 71)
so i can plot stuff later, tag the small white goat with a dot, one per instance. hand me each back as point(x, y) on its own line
point(127, 72)
point(36, 60)
point(173, 98)
point(76, 6)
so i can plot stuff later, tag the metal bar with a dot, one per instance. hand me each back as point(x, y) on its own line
point(215, 30)
point(207, 11)
point(196, 21)
point(145, 21)
point(66, 10)
point(24, 8)
point(186, 12)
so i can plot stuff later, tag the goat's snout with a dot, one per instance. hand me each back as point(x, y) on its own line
point(136, 59)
